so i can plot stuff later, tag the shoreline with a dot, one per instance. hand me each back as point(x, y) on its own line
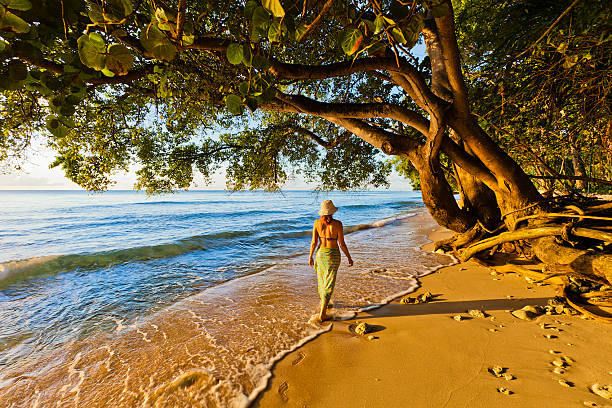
point(422, 357)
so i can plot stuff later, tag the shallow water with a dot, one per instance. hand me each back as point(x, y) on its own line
point(198, 328)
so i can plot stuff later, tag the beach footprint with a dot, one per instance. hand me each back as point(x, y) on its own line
point(282, 391)
point(298, 359)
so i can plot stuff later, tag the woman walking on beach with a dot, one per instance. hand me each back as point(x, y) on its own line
point(328, 234)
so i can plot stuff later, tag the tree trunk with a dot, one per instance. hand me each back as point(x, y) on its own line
point(515, 193)
point(578, 164)
point(476, 197)
point(439, 199)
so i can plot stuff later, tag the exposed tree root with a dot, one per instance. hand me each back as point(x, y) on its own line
point(573, 301)
point(573, 240)
point(532, 233)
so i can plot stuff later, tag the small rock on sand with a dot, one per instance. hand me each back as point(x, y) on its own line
point(558, 370)
point(559, 363)
point(362, 328)
point(407, 300)
point(567, 359)
point(458, 318)
point(604, 391)
point(553, 352)
point(509, 377)
point(527, 313)
point(422, 298)
point(372, 337)
point(590, 404)
point(493, 330)
point(566, 383)
point(504, 391)
point(496, 370)
point(477, 313)
point(550, 336)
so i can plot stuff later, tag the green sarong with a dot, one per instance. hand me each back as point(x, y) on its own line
point(327, 262)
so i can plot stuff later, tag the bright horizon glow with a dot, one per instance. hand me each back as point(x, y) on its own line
point(36, 175)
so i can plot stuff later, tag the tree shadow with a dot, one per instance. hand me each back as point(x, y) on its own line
point(454, 307)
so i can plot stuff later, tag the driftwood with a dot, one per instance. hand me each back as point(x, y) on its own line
point(573, 301)
point(531, 233)
point(572, 239)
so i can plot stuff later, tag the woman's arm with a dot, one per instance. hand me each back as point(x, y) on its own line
point(313, 244)
point(342, 244)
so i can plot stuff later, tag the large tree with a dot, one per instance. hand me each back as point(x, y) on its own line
point(318, 87)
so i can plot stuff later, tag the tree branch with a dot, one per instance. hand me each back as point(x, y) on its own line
point(581, 178)
point(567, 10)
point(390, 143)
point(356, 110)
point(318, 19)
point(59, 70)
point(315, 137)
point(452, 59)
point(180, 21)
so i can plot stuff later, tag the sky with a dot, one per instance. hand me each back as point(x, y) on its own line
point(36, 175)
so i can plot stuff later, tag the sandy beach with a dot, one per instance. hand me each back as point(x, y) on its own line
point(422, 357)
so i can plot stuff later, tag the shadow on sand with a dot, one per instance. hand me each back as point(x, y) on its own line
point(455, 307)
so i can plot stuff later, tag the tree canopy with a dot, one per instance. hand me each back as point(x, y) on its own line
point(326, 89)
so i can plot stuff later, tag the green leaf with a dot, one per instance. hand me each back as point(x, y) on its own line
point(274, 32)
point(398, 35)
point(92, 51)
point(367, 25)
point(21, 5)
point(107, 72)
point(351, 40)
point(119, 59)
point(188, 39)
point(261, 63)
point(244, 88)
point(55, 127)
point(17, 71)
point(234, 104)
point(377, 49)
point(249, 8)
point(67, 110)
point(299, 31)
point(116, 10)
point(234, 54)
point(95, 13)
point(74, 99)
point(156, 42)
point(261, 19)
point(274, 7)
point(165, 20)
point(379, 24)
point(11, 22)
point(247, 55)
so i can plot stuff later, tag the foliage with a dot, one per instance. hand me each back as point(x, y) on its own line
point(176, 93)
point(110, 85)
point(555, 98)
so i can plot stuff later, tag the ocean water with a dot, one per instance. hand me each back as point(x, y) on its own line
point(121, 299)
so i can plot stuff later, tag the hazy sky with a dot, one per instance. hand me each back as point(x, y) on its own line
point(36, 175)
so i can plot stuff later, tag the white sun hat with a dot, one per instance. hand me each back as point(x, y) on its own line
point(327, 208)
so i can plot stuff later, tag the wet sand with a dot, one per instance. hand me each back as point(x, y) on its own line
point(422, 357)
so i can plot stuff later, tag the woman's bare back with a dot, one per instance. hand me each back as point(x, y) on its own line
point(328, 232)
